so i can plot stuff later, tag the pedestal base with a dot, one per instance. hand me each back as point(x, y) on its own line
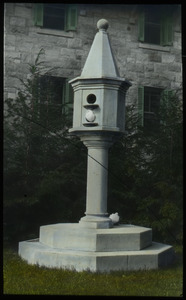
point(95, 222)
point(70, 246)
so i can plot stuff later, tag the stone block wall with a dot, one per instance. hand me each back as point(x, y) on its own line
point(66, 52)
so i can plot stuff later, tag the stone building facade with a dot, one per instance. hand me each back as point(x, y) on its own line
point(145, 40)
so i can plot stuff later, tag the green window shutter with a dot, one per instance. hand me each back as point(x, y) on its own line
point(71, 18)
point(140, 105)
point(38, 14)
point(141, 27)
point(166, 31)
point(67, 98)
point(166, 96)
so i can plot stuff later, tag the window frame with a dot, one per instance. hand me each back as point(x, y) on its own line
point(70, 18)
point(152, 28)
point(141, 102)
point(59, 15)
point(166, 28)
point(66, 105)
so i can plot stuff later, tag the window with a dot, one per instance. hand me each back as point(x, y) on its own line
point(151, 106)
point(155, 25)
point(148, 106)
point(152, 27)
point(55, 16)
point(56, 99)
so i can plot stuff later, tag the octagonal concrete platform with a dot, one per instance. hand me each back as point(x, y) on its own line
point(73, 236)
point(104, 254)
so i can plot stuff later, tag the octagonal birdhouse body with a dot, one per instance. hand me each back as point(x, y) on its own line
point(99, 93)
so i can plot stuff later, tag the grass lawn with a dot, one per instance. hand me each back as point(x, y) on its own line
point(21, 278)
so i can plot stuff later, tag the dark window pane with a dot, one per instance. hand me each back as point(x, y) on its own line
point(54, 16)
point(146, 102)
point(152, 14)
point(152, 25)
point(155, 103)
point(152, 34)
point(151, 122)
point(51, 92)
point(151, 107)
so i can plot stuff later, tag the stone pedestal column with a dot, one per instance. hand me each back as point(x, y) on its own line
point(97, 173)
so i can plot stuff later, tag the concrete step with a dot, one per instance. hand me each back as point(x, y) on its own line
point(153, 257)
point(72, 236)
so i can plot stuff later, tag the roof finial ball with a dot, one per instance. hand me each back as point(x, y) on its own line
point(102, 24)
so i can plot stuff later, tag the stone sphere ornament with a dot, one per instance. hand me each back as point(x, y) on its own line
point(90, 116)
point(102, 24)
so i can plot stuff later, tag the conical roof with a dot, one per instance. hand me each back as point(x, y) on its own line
point(100, 62)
